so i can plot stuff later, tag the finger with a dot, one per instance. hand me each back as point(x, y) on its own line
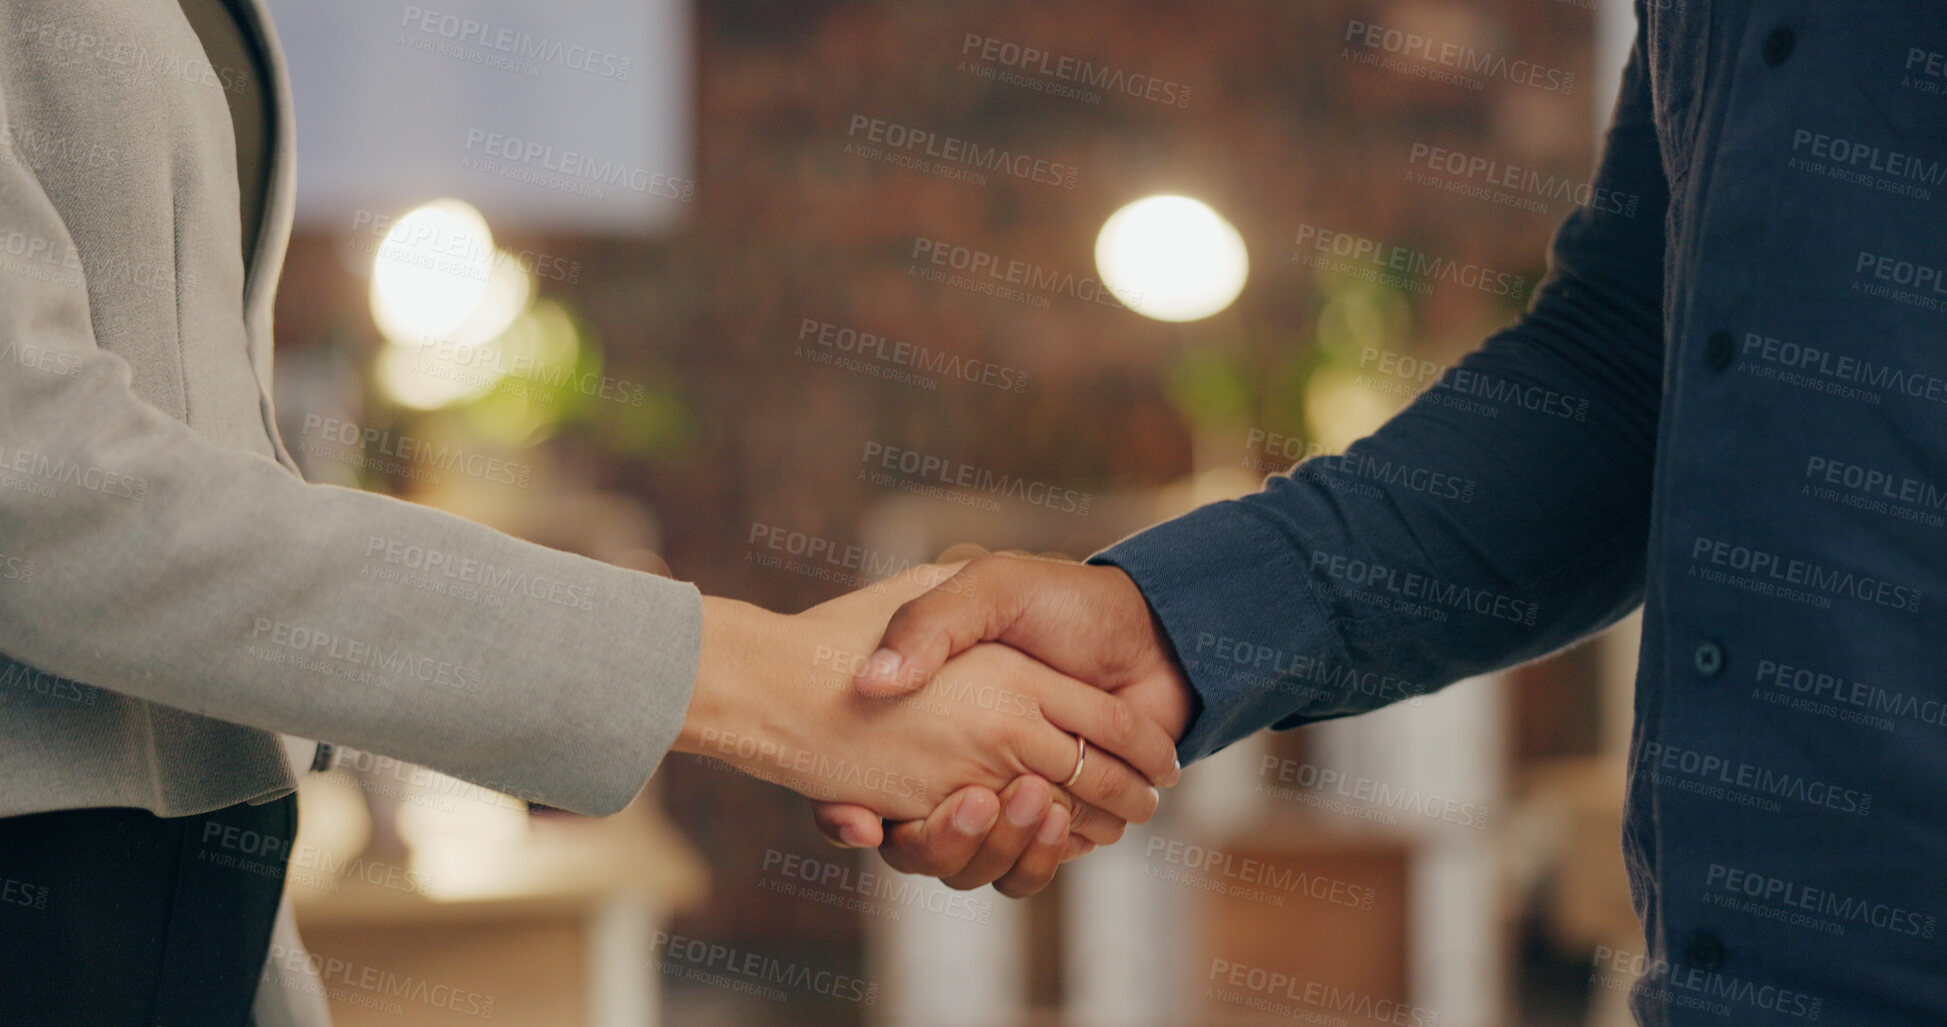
point(1037, 866)
point(1106, 781)
point(924, 633)
point(946, 840)
point(1112, 726)
point(849, 827)
point(1024, 806)
point(1077, 848)
point(1092, 823)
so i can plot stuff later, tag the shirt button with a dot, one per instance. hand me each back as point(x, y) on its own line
point(1717, 350)
point(1703, 951)
point(1707, 658)
point(1778, 45)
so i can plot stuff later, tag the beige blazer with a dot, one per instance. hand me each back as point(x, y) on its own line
point(172, 596)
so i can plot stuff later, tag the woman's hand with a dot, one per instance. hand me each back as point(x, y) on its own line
point(774, 699)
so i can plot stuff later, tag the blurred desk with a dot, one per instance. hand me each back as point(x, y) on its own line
point(1317, 929)
point(554, 929)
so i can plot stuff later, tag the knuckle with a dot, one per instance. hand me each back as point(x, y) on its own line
point(1123, 725)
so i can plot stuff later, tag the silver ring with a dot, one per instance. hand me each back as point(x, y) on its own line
point(1081, 757)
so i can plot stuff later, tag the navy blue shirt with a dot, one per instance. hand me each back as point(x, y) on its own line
point(1727, 403)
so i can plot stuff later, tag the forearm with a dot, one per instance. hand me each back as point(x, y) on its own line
point(1312, 599)
point(211, 580)
point(1500, 516)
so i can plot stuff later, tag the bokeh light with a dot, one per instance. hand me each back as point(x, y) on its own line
point(432, 272)
point(1171, 258)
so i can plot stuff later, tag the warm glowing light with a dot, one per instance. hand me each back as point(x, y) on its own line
point(1171, 258)
point(432, 273)
point(437, 376)
point(443, 297)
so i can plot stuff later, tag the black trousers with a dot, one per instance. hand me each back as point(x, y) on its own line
point(120, 918)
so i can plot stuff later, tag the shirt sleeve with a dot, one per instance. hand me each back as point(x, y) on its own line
point(1500, 516)
point(140, 557)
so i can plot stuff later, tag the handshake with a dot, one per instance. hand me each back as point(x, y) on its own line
point(981, 722)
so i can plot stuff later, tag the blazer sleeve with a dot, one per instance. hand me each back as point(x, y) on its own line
point(139, 557)
point(1501, 515)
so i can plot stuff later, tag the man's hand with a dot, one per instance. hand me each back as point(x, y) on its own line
point(1088, 622)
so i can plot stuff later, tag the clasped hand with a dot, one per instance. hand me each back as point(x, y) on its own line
point(980, 679)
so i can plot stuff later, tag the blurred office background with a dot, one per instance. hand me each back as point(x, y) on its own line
point(611, 275)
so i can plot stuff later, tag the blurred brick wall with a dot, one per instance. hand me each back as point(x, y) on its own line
point(1281, 129)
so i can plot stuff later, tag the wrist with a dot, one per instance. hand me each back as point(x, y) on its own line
point(729, 686)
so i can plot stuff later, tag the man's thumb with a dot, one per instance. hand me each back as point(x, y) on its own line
point(922, 635)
